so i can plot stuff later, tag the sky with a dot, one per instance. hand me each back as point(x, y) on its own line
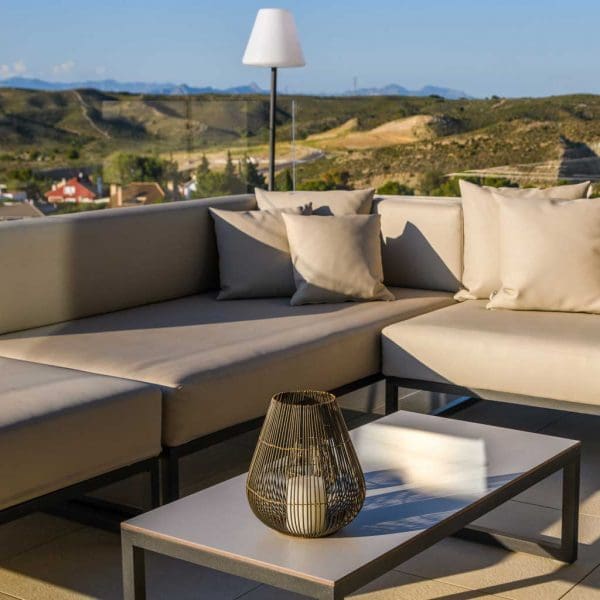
point(482, 47)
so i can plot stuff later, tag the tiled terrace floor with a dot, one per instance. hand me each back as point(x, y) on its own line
point(43, 557)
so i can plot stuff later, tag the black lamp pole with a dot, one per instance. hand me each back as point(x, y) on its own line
point(272, 129)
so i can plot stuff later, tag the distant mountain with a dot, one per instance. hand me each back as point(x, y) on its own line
point(394, 89)
point(136, 87)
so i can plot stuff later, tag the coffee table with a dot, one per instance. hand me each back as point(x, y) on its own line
point(427, 477)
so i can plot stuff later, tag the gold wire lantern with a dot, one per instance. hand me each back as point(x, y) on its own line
point(305, 478)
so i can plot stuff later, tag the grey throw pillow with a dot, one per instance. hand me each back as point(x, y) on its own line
point(336, 259)
point(254, 256)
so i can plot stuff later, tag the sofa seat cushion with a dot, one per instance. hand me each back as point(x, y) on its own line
point(536, 354)
point(59, 427)
point(219, 362)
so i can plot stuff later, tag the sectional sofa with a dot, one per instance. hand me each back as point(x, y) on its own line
point(114, 350)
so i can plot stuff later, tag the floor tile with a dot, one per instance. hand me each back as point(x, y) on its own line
point(133, 491)
point(513, 575)
point(87, 564)
point(548, 492)
point(83, 564)
point(513, 416)
point(391, 586)
point(215, 464)
point(588, 589)
point(31, 531)
point(367, 399)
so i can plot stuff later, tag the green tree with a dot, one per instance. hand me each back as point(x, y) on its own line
point(430, 181)
point(288, 183)
point(124, 168)
point(395, 188)
point(204, 165)
point(212, 183)
point(250, 175)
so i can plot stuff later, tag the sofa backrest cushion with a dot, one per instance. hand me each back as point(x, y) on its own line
point(422, 241)
point(65, 267)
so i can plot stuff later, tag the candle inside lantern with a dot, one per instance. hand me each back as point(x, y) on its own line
point(306, 505)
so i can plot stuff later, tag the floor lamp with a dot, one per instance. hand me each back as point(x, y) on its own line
point(273, 43)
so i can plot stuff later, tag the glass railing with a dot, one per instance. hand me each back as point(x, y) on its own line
point(84, 150)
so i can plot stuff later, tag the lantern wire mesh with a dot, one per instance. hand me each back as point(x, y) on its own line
point(305, 478)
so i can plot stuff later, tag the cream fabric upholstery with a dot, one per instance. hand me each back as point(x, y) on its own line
point(254, 255)
point(72, 266)
point(422, 241)
point(336, 259)
point(549, 255)
point(220, 362)
point(481, 275)
point(59, 427)
point(539, 354)
point(334, 202)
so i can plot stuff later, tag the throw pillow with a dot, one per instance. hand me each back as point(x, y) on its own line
point(336, 259)
point(335, 202)
point(549, 255)
point(254, 256)
point(481, 273)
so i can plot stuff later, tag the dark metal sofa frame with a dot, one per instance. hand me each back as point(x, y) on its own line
point(164, 471)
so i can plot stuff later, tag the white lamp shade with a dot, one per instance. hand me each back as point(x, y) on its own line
point(274, 40)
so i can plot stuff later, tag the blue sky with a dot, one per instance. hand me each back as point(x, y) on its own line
point(484, 47)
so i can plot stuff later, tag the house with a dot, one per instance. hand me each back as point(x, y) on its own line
point(12, 195)
point(10, 211)
point(132, 194)
point(76, 189)
point(188, 188)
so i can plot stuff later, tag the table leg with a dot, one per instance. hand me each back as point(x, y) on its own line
point(566, 549)
point(134, 571)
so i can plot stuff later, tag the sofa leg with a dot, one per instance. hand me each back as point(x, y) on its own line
point(391, 397)
point(155, 484)
point(170, 475)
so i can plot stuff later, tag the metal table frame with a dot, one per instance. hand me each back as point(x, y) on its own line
point(136, 542)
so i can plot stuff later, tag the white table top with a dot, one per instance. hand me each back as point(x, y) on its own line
point(420, 471)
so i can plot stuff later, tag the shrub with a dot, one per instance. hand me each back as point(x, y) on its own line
point(395, 188)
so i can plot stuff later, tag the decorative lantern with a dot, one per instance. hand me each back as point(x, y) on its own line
point(305, 478)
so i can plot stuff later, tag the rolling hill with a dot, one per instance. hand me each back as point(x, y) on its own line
point(373, 138)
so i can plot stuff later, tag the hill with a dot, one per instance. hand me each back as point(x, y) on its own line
point(372, 138)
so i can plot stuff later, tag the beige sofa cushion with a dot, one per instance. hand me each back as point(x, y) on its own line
point(481, 274)
point(59, 427)
point(336, 259)
point(422, 242)
point(254, 255)
point(534, 354)
point(220, 362)
point(549, 255)
point(334, 202)
point(71, 266)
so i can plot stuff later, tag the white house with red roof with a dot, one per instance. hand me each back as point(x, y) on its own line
point(74, 190)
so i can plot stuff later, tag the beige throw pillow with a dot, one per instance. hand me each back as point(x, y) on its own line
point(335, 202)
point(254, 256)
point(336, 259)
point(481, 273)
point(549, 255)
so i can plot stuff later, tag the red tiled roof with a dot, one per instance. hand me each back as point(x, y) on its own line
point(71, 190)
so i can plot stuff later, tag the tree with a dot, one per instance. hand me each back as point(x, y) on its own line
point(210, 183)
point(331, 180)
point(124, 168)
point(204, 165)
point(430, 180)
point(288, 182)
point(250, 175)
point(394, 188)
